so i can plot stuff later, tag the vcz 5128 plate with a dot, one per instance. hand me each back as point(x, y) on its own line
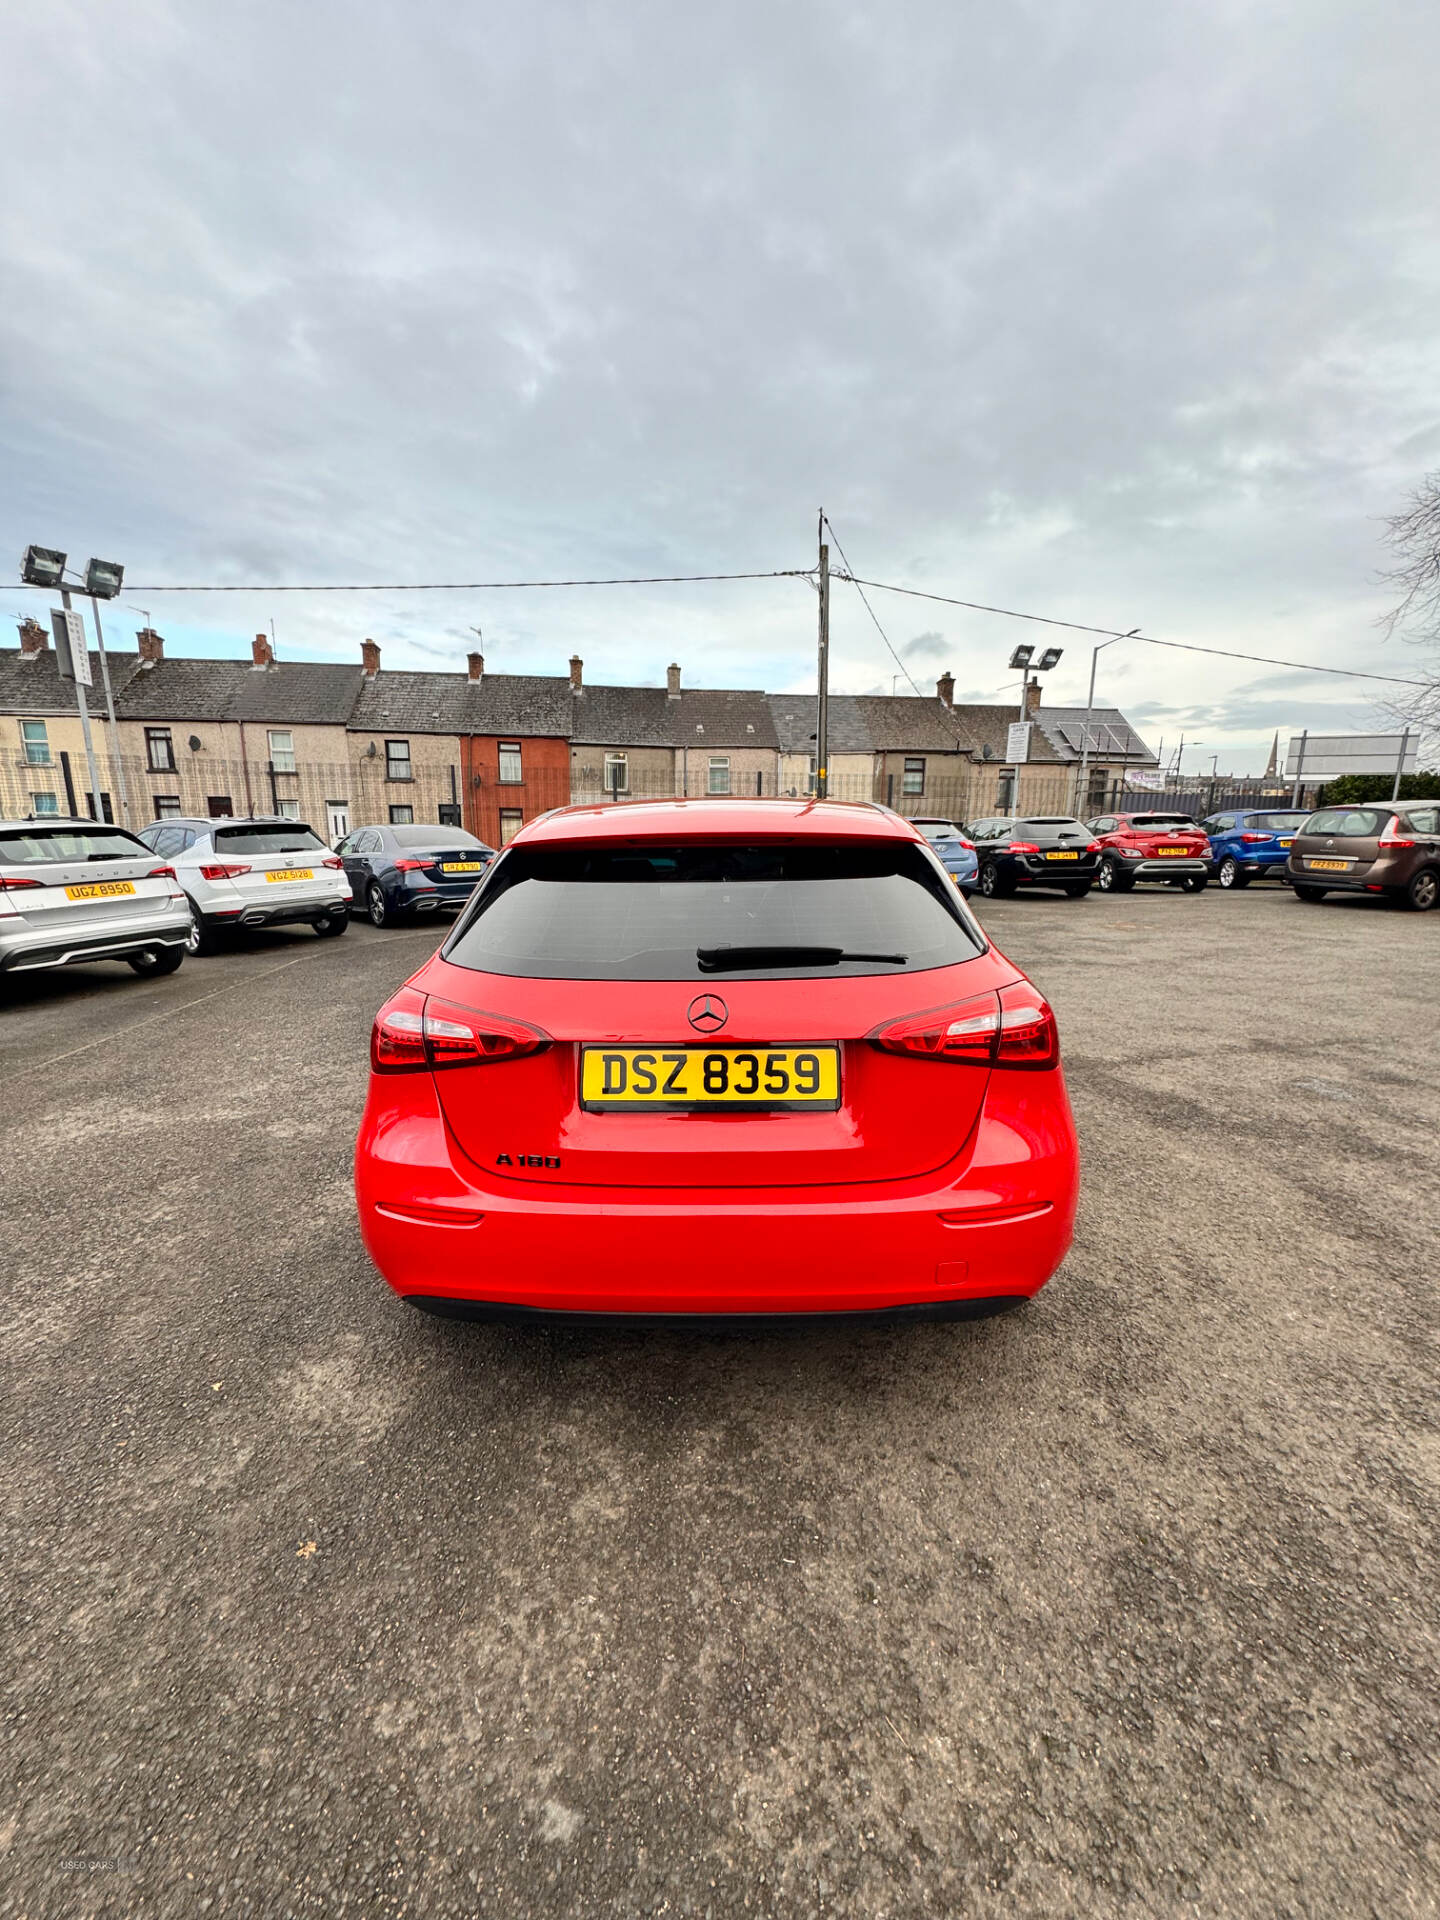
point(690, 1079)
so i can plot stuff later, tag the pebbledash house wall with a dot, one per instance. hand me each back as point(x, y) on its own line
point(753, 770)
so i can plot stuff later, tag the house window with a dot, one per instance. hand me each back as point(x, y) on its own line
point(167, 806)
point(288, 809)
point(282, 752)
point(448, 813)
point(402, 816)
point(37, 746)
point(719, 773)
point(510, 773)
point(159, 750)
point(914, 777)
point(1005, 792)
point(397, 760)
point(511, 821)
point(44, 803)
point(106, 813)
point(617, 773)
point(220, 806)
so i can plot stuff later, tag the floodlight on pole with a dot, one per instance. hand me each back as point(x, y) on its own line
point(1049, 658)
point(103, 579)
point(42, 567)
point(1022, 656)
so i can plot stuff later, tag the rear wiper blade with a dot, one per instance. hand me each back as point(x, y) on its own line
point(736, 959)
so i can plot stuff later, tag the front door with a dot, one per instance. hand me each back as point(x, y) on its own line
point(337, 820)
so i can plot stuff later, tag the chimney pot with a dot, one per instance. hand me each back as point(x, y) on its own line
point(260, 649)
point(1032, 699)
point(477, 666)
point(150, 645)
point(945, 687)
point(672, 681)
point(370, 658)
point(576, 667)
point(33, 639)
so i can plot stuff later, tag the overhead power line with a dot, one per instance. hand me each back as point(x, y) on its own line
point(482, 586)
point(848, 574)
point(1115, 633)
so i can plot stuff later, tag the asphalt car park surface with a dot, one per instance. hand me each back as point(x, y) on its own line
point(1126, 1600)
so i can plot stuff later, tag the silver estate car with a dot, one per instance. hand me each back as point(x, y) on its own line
point(76, 890)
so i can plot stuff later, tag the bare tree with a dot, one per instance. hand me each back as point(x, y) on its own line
point(1413, 536)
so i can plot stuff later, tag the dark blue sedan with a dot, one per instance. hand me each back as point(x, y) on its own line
point(404, 873)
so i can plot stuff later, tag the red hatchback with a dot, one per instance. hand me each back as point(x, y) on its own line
point(716, 1057)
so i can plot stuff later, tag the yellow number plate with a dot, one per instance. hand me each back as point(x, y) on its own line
point(638, 1079)
point(101, 890)
point(1330, 866)
point(1169, 853)
point(461, 866)
point(292, 873)
point(1287, 843)
point(1062, 856)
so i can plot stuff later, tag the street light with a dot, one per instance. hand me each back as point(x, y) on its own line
point(1050, 658)
point(1022, 656)
point(42, 567)
point(103, 578)
point(1095, 653)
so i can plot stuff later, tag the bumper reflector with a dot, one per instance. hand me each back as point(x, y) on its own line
point(425, 1216)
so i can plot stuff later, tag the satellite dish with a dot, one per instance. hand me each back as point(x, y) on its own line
point(195, 743)
point(370, 751)
point(987, 752)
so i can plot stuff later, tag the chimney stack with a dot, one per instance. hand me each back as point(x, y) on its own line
point(151, 646)
point(370, 658)
point(576, 665)
point(33, 639)
point(477, 667)
point(672, 681)
point(945, 687)
point(1032, 699)
point(260, 648)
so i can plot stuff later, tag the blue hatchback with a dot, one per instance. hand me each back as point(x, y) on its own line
point(409, 872)
point(1245, 846)
point(956, 854)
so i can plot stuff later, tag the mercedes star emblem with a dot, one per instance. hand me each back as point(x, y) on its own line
point(707, 1013)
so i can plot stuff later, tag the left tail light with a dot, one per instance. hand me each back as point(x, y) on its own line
point(1022, 846)
point(1012, 1028)
point(414, 1031)
point(161, 873)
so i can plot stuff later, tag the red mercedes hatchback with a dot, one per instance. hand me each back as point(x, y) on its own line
point(716, 1057)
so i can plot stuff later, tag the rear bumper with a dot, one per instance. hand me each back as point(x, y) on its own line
point(1052, 873)
point(22, 952)
point(991, 1226)
point(287, 914)
point(1367, 882)
point(1166, 869)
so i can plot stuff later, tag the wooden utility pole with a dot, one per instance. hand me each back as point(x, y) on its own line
point(822, 707)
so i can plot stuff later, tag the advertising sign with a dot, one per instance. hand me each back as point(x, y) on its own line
point(72, 656)
point(1017, 742)
point(1320, 756)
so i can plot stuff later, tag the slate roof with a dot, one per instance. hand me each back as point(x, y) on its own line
point(794, 717)
point(622, 717)
point(724, 717)
point(291, 693)
point(526, 705)
point(35, 686)
point(921, 724)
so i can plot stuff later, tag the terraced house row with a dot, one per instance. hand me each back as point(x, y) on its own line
point(344, 745)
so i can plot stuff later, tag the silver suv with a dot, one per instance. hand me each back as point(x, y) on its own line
point(75, 890)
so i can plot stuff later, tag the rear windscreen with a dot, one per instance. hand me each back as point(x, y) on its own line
point(1152, 822)
point(1360, 823)
point(296, 839)
point(435, 837)
point(645, 913)
point(1061, 827)
point(62, 843)
point(1276, 822)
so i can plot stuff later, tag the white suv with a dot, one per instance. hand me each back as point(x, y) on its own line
point(260, 872)
point(77, 890)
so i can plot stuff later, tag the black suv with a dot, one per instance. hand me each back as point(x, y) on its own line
point(1049, 852)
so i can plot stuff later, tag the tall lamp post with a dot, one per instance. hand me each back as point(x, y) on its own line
point(45, 567)
point(1024, 658)
point(1095, 653)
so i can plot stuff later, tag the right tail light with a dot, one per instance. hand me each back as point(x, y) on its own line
point(1390, 838)
point(1012, 1028)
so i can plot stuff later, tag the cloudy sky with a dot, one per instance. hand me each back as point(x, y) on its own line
point(1116, 311)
